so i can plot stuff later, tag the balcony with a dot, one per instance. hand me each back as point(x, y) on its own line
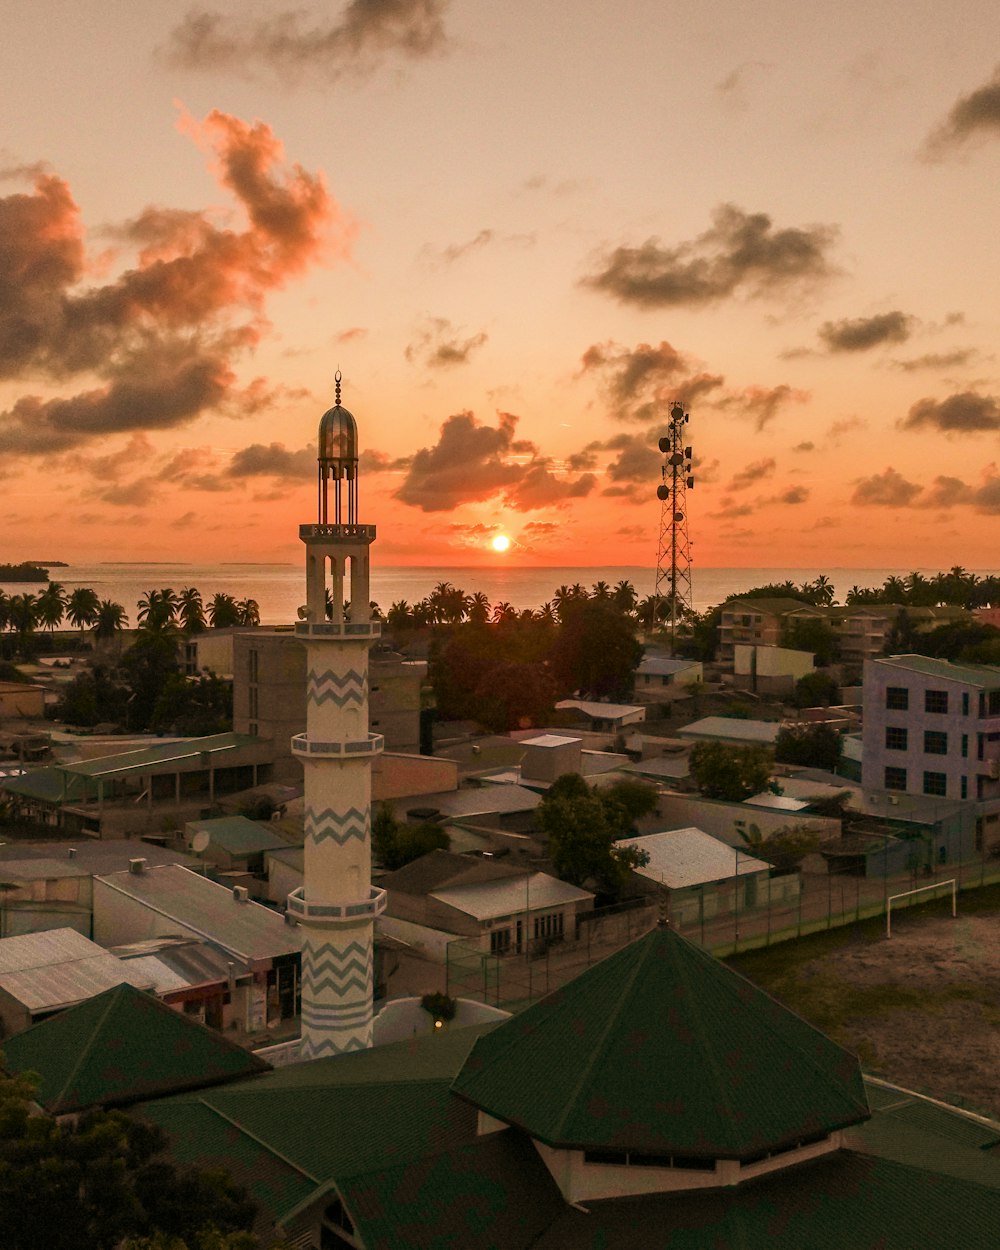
point(359, 630)
point(348, 748)
point(336, 913)
point(337, 533)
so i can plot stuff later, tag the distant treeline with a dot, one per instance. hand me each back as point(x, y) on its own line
point(23, 573)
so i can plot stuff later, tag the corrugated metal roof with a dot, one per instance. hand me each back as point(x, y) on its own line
point(86, 856)
point(679, 858)
point(664, 665)
point(602, 711)
point(46, 971)
point(550, 740)
point(163, 980)
point(730, 728)
point(158, 756)
point(238, 835)
point(672, 767)
point(985, 676)
point(778, 802)
point(207, 909)
point(489, 899)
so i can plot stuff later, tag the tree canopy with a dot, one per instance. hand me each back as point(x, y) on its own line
point(733, 773)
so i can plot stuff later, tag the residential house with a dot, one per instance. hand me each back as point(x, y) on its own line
point(759, 622)
point(662, 678)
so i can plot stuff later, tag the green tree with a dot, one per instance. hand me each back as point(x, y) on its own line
point(629, 801)
point(581, 826)
point(815, 746)
point(783, 849)
point(146, 669)
point(81, 607)
point(815, 690)
point(395, 844)
point(52, 605)
point(191, 610)
point(810, 633)
point(595, 650)
point(733, 773)
point(194, 708)
point(110, 621)
point(223, 611)
point(92, 697)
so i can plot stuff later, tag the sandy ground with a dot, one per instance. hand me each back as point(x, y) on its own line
point(921, 1008)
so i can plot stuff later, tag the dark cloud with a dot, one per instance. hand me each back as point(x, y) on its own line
point(730, 510)
point(860, 334)
point(963, 413)
point(284, 48)
point(439, 346)
point(740, 253)
point(846, 425)
point(640, 384)
point(162, 337)
point(938, 360)
point(946, 492)
point(457, 250)
point(887, 489)
point(753, 473)
point(976, 115)
point(807, 446)
point(274, 460)
point(472, 462)
point(632, 531)
point(762, 403)
point(733, 89)
point(794, 494)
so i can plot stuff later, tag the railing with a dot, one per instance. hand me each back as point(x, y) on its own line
point(332, 629)
point(332, 912)
point(371, 744)
point(365, 532)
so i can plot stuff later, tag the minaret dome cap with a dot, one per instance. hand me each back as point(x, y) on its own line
point(338, 437)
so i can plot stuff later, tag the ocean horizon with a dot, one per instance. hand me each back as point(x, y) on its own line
point(279, 589)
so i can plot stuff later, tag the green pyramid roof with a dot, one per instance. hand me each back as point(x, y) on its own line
point(122, 1046)
point(661, 1048)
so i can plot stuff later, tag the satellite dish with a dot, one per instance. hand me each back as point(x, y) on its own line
point(200, 841)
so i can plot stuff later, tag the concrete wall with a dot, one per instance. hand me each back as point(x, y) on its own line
point(431, 943)
point(408, 776)
point(21, 700)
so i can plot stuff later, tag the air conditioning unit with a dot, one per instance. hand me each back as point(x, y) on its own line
point(894, 800)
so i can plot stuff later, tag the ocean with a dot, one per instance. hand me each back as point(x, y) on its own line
point(280, 588)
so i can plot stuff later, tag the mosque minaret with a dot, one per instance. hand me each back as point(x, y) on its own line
point(337, 904)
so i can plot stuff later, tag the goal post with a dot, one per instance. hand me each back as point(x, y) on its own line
point(937, 885)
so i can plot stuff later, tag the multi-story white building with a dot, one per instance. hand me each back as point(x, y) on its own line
point(933, 727)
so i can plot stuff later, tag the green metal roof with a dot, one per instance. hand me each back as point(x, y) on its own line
point(238, 835)
point(193, 749)
point(48, 785)
point(985, 676)
point(120, 1047)
point(661, 1048)
point(842, 1202)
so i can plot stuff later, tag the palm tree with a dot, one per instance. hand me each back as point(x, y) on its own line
point(600, 591)
point(503, 611)
point(157, 609)
point(81, 607)
point(479, 608)
point(399, 615)
point(191, 610)
point(23, 617)
point(249, 611)
point(625, 597)
point(51, 607)
point(223, 611)
point(894, 590)
point(111, 618)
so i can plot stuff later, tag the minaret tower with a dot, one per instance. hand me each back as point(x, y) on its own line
point(337, 905)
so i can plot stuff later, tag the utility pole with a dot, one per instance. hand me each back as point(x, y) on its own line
point(673, 557)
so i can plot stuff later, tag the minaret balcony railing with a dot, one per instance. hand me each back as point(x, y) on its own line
point(332, 629)
point(333, 913)
point(314, 533)
point(346, 748)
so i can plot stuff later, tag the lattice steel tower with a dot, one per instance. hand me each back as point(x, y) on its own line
point(673, 557)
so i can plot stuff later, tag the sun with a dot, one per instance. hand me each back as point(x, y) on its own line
point(500, 543)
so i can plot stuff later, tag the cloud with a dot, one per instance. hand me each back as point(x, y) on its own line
point(733, 89)
point(351, 335)
point(963, 413)
point(803, 447)
point(860, 334)
point(640, 383)
point(794, 495)
point(457, 250)
point(846, 425)
point(274, 460)
point(439, 346)
point(730, 510)
point(741, 253)
point(753, 473)
point(938, 360)
point(163, 336)
point(976, 115)
point(471, 462)
point(283, 48)
point(887, 489)
point(762, 403)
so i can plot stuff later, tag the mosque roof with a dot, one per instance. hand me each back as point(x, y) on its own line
point(661, 1048)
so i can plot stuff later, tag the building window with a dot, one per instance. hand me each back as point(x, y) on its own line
point(549, 926)
point(895, 778)
point(965, 787)
point(965, 746)
point(936, 783)
point(254, 703)
point(935, 742)
point(253, 666)
point(895, 738)
point(897, 698)
point(994, 702)
point(965, 703)
point(936, 701)
point(499, 941)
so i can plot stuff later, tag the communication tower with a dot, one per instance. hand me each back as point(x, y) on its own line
point(673, 558)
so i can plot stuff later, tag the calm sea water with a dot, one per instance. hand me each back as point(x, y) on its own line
point(280, 588)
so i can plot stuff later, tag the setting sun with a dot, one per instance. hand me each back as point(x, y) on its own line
point(501, 543)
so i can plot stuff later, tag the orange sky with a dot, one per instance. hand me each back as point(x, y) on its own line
point(520, 232)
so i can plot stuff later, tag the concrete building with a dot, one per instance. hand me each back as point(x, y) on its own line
point(758, 622)
point(662, 678)
point(769, 670)
point(932, 728)
point(270, 667)
point(732, 730)
point(21, 701)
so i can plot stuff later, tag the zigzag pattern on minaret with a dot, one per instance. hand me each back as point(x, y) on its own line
point(326, 968)
point(337, 688)
point(340, 827)
point(326, 1049)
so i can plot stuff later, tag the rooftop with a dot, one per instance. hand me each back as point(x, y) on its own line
point(732, 729)
point(985, 676)
point(237, 835)
point(59, 967)
point(486, 900)
point(245, 928)
point(679, 858)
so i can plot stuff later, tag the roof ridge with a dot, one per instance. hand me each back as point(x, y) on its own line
point(597, 1051)
point(241, 1128)
point(113, 995)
